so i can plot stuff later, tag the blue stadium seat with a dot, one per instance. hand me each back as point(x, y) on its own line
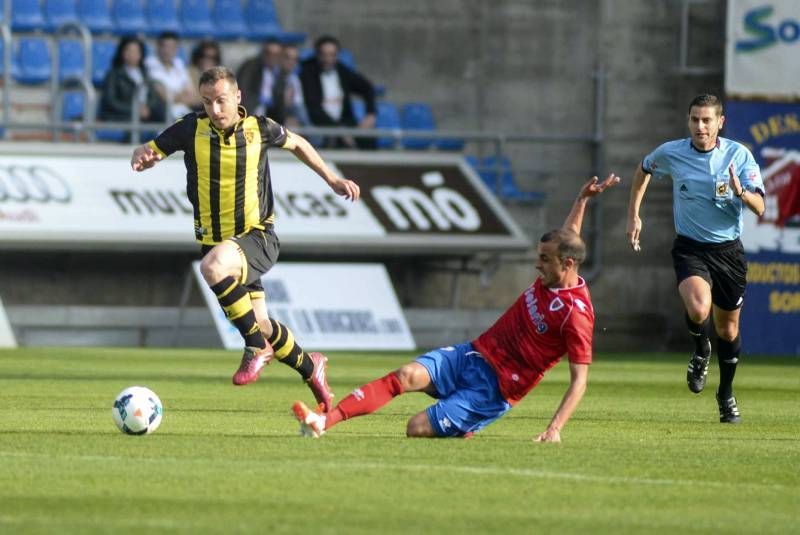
point(70, 59)
point(33, 61)
point(229, 17)
point(292, 38)
point(195, 17)
point(115, 136)
point(102, 55)
point(450, 143)
point(508, 185)
point(388, 117)
point(26, 16)
point(121, 136)
point(162, 16)
point(262, 20)
point(72, 105)
point(305, 53)
point(58, 12)
point(96, 15)
point(128, 16)
point(347, 59)
point(417, 116)
point(359, 108)
point(488, 176)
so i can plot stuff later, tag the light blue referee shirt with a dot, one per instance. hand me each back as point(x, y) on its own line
point(703, 205)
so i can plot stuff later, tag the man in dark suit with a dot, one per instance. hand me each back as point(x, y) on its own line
point(327, 88)
point(256, 78)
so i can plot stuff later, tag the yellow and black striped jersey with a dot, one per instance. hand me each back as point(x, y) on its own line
point(227, 172)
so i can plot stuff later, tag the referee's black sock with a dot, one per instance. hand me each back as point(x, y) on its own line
point(699, 333)
point(728, 353)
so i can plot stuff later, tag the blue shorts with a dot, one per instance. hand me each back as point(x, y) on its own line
point(467, 388)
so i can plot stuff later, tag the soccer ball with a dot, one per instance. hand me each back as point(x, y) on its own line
point(137, 411)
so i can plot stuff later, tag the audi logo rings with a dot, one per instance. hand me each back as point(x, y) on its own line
point(32, 184)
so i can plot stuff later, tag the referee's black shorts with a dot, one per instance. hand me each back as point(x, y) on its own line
point(721, 265)
point(260, 249)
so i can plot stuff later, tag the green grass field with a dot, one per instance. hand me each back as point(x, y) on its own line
point(642, 454)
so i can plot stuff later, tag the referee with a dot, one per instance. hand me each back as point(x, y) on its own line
point(713, 181)
point(229, 187)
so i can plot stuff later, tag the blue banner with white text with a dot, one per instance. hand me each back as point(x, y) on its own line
point(770, 321)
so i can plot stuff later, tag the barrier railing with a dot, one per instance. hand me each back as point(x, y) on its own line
point(84, 82)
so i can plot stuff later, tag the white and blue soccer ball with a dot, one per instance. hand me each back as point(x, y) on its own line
point(137, 410)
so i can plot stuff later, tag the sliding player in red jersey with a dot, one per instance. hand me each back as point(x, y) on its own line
point(479, 381)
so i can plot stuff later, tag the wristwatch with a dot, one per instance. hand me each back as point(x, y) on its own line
point(741, 194)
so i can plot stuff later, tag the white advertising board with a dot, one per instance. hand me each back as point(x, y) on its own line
point(92, 199)
point(762, 56)
point(327, 306)
point(7, 339)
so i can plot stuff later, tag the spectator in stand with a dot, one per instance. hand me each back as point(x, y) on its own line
point(206, 54)
point(256, 78)
point(128, 87)
point(288, 105)
point(327, 88)
point(169, 70)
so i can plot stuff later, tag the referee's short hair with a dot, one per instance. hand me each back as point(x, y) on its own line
point(707, 100)
point(570, 244)
point(215, 74)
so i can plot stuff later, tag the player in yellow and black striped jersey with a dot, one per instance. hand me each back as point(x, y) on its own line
point(229, 186)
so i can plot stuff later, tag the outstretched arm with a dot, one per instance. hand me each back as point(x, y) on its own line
point(574, 220)
point(307, 154)
point(638, 187)
point(578, 374)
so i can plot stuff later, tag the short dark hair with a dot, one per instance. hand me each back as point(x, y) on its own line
point(215, 74)
point(163, 36)
point(570, 244)
point(326, 39)
point(706, 100)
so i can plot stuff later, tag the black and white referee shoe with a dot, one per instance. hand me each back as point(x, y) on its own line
point(728, 410)
point(697, 372)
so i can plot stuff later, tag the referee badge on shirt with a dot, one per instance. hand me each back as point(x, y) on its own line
point(721, 190)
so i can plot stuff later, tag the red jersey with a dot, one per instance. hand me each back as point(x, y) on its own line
point(535, 332)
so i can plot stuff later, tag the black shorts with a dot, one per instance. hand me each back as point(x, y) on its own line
point(722, 265)
point(259, 249)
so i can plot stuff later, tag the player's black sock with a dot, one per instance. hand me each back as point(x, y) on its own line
point(288, 351)
point(699, 333)
point(235, 301)
point(728, 353)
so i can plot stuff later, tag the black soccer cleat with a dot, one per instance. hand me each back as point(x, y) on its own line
point(697, 372)
point(728, 410)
